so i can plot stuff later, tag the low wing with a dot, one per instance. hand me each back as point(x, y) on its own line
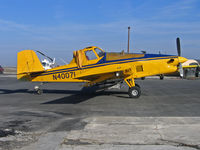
point(92, 79)
point(97, 75)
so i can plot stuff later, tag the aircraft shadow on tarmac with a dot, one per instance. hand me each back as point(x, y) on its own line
point(79, 97)
point(72, 99)
point(75, 97)
point(7, 91)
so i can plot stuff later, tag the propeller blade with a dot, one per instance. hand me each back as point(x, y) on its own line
point(45, 55)
point(178, 46)
point(181, 70)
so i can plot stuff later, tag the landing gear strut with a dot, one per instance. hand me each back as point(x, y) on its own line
point(134, 89)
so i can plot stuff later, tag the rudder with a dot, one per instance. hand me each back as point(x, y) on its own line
point(27, 62)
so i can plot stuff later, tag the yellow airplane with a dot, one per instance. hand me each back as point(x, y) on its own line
point(94, 66)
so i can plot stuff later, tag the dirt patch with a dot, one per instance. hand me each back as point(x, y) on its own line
point(7, 132)
point(20, 125)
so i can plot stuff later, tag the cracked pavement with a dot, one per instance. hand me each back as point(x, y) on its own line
point(167, 116)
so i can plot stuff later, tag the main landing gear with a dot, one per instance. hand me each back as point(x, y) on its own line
point(134, 89)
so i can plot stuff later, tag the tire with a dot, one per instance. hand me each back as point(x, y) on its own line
point(161, 76)
point(197, 74)
point(134, 92)
point(39, 91)
point(143, 78)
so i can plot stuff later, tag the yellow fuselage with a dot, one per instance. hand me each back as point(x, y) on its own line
point(137, 68)
point(103, 67)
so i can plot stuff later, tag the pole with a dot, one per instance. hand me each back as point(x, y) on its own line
point(128, 38)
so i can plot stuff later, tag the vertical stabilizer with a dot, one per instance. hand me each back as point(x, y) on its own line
point(27, 62)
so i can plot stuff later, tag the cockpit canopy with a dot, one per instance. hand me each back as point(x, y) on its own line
point(93, 54)
point(87, 54)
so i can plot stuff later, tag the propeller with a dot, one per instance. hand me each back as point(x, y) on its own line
point(45, 56)
point(181, 70)
point(178, 45)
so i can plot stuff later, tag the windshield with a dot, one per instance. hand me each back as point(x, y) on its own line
point(90, 55)
point(99, 52)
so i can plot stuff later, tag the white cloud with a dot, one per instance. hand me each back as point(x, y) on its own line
point(10, 26)
point(177, 8)
point(148, 35)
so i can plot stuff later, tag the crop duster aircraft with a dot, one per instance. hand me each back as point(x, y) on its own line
point(94, 66)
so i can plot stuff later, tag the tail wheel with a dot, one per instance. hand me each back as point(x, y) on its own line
point(134, 92)
point(39, 91)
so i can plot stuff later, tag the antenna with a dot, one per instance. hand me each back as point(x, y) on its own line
point(128, 38)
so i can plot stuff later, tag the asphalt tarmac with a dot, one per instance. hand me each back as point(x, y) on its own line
point(166, 116)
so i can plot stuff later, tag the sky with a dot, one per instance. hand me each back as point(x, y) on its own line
point(58, 27)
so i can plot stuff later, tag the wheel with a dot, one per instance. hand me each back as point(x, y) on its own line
point(134, 92)
point(197, 74)
point(39, 91)
point(161, 76)
point(143, 78)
